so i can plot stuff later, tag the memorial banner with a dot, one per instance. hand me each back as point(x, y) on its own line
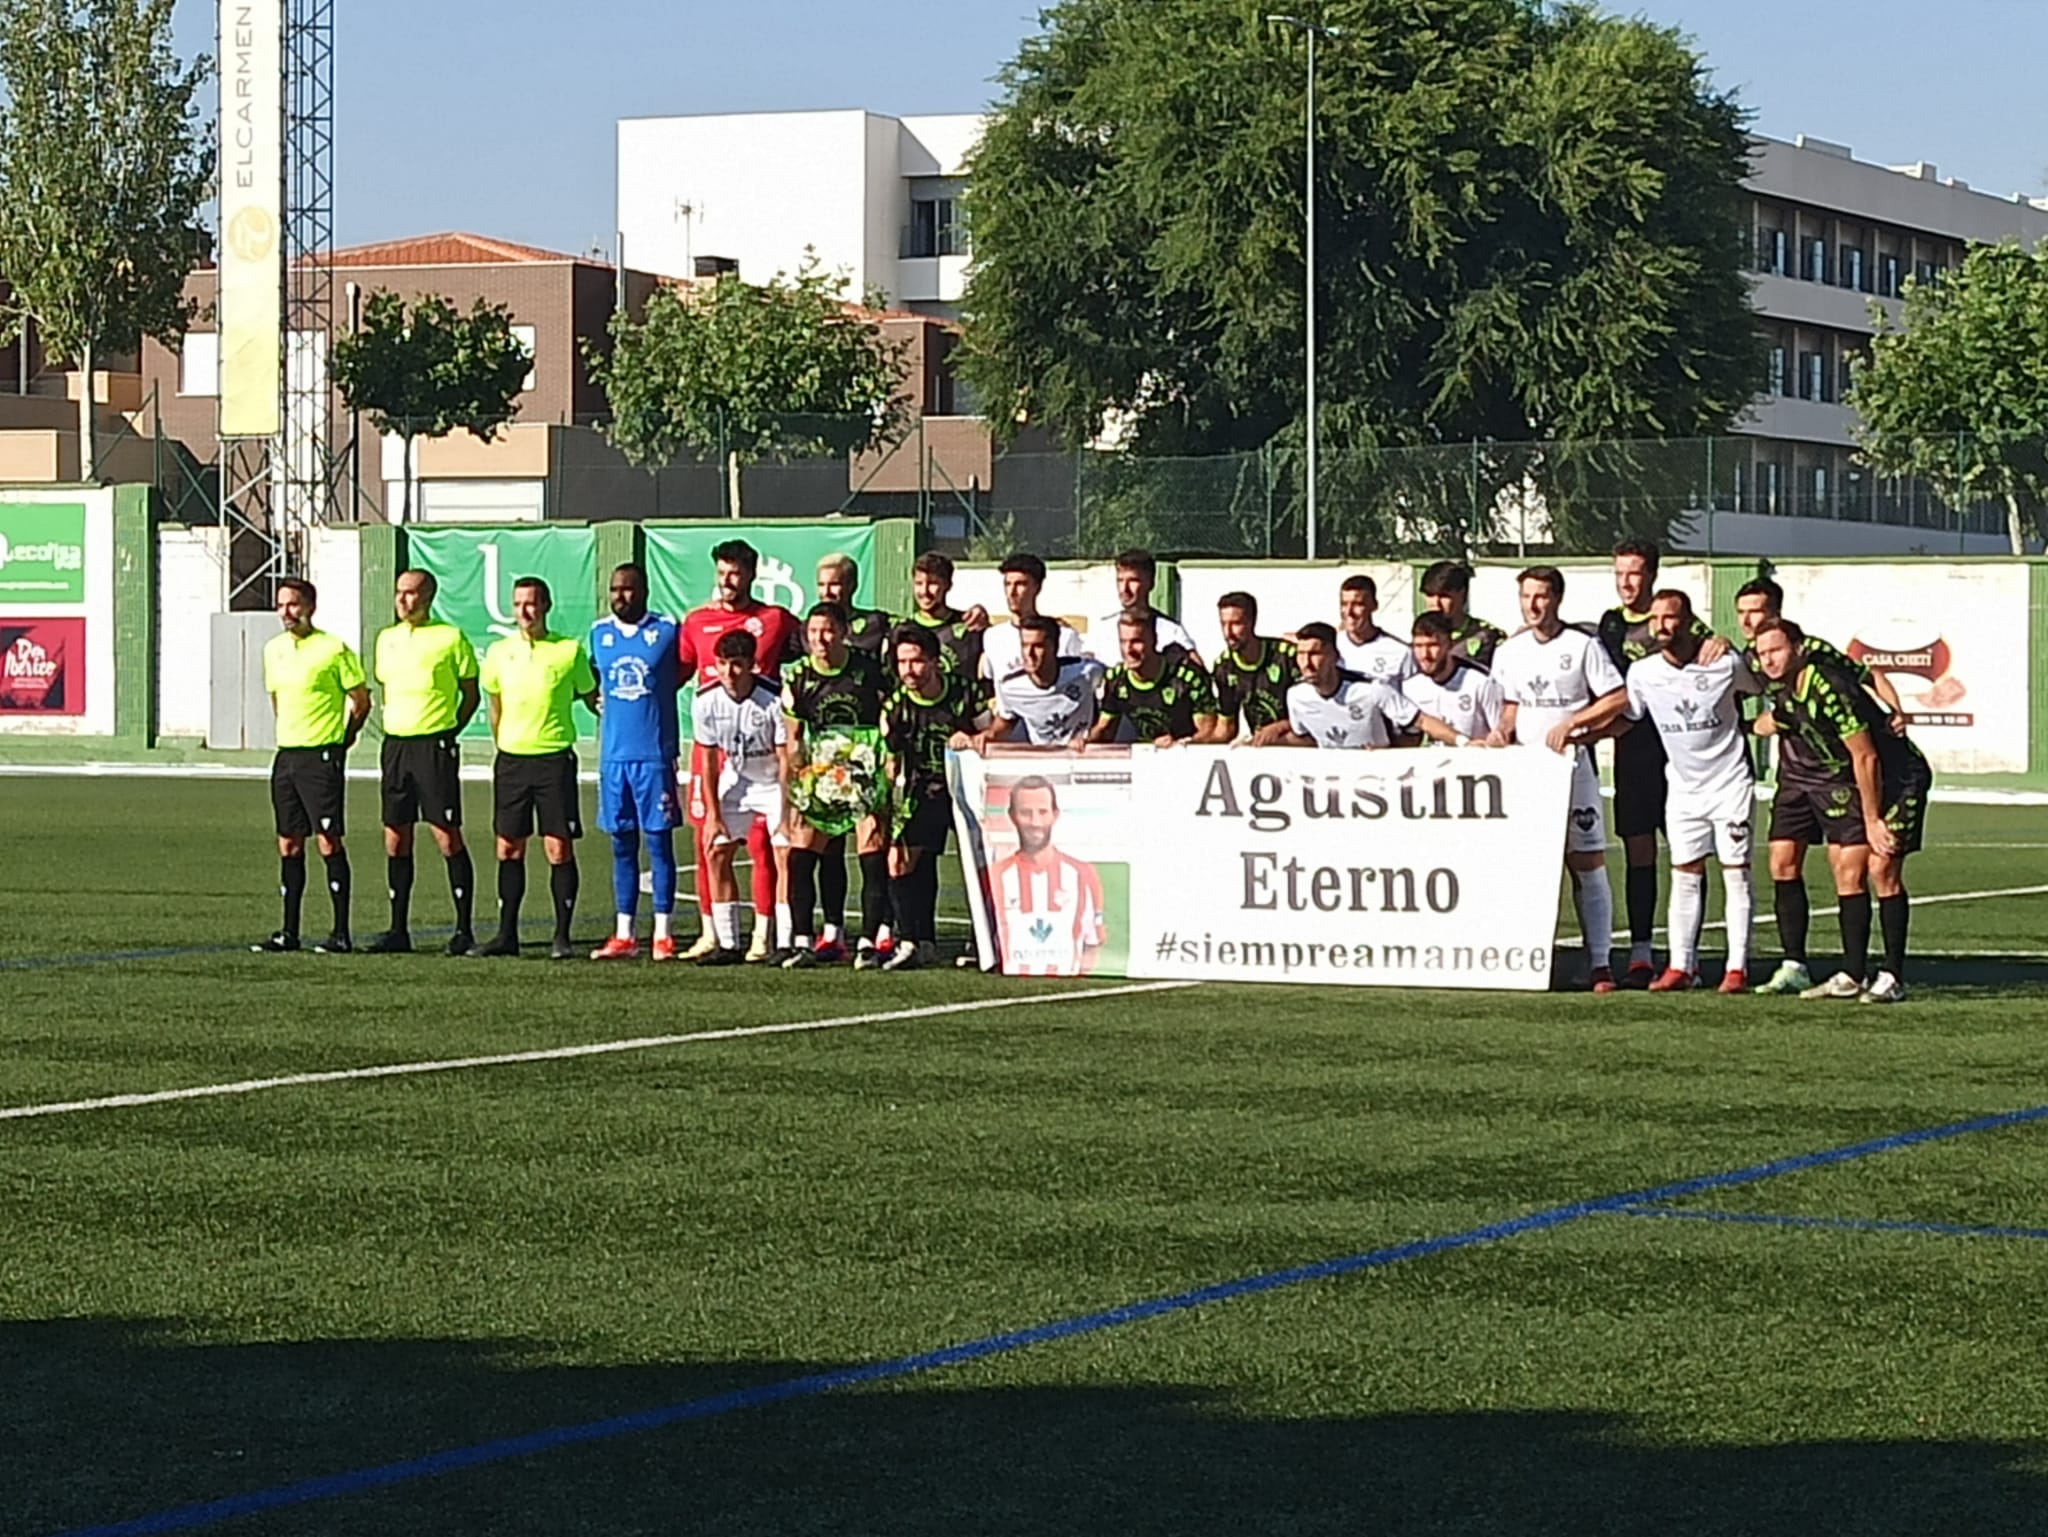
point(1434, 868)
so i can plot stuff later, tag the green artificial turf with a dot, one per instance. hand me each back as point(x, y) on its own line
point(216, 1296)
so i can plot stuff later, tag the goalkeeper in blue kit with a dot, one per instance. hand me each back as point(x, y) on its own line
point(639, 676)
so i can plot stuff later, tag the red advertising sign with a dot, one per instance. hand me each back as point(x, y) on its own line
point(42, 666)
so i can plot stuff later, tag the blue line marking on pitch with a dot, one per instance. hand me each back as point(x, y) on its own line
point(334, 1485)
point(1843, 1224)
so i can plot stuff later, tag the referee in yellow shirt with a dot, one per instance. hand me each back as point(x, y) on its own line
point(428, 673)
point(321, 700)
point(533, 679)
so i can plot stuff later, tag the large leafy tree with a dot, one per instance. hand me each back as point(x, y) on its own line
point(427, 370)
point(104, 168)
point(1957, 391)
point(1529, 227)
point(742, 371)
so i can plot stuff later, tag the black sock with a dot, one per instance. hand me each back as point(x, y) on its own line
point(338, 888)
point(832, 881)
point(511, 892)
point(874, 894)
point(1793, 910)
point(1642, 903)
point(916, 900)
point(1892, 915)
point(562, 880)
point(803, 891)
point(462, 887)
point(1856, 935)
point(291, 884)
point(398, 874)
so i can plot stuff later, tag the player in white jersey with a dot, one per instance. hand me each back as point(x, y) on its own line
point(745, 738)
point(1332, 708)
point(1462, 696)
point(1362, 646)
point(1002, 645)
point(1048, 905)
point(1051, 700)
point(1695, 707)
point(1136, 572)
point(1562, 688)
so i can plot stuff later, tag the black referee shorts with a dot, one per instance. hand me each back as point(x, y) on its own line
point(1639, 782)
point(422, 781)
point(309, 791)
point(530, 791)
point(930, 824)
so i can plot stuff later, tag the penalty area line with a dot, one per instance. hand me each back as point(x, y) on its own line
point(569, 1053)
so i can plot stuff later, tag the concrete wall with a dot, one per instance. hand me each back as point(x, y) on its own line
point(192, 586)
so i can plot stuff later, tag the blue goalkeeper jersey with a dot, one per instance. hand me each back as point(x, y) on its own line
point(639, 675)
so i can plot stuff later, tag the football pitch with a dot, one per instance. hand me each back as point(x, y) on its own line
point(405, 1245)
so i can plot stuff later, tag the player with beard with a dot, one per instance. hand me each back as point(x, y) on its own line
point(639, 679)
point(1813, 803)
point(1047, 905)
point(1446, 590)
point(1444, 684)
point(1874, 795)
point(928, 711)
point(1639, 779)
point(778, 638)
point(1050, 701)
point(1695, 705)
point(1252, 676)
point(1559, 682)
point(867, 629)
point(1155, 696)
point(1332, 708)
point(834, 685)
point(1363, 647)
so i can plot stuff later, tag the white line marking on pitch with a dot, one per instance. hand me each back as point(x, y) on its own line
point(569, 1053)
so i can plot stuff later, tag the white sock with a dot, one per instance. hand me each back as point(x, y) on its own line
point(1595, 902)
point(725, 924)
point(661, 925)
point(883, 935)
point(828, 934)
point(785, 925)
point(1688, 907)
point(1741, 910)
point(802, 942)
point(625, 926)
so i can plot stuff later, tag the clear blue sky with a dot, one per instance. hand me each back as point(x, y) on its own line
point(498, 115)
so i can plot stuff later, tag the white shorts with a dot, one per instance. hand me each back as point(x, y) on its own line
point(741, 800)
point(1587, 831)
point(1718, 824)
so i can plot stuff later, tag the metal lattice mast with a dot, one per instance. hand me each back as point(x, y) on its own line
point(305, 459)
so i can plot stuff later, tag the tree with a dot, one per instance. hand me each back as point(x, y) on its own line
point(1957, 391)
point(745, 371)
point(104, 169)
point(425, 372)
point(1529, 227)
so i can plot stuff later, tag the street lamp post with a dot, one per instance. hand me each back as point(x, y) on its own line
point(1311, 31)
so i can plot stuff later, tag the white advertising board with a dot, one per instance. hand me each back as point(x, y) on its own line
point(1432, 868)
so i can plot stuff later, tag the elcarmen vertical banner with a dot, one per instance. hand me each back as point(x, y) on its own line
point(251, 307)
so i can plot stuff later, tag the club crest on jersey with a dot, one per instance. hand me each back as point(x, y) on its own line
point(629, 679)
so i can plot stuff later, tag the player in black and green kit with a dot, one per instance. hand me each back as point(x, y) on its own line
point(958, 631)
point(834, 684)
point(1446, 589)
point(930, 710)
point(1165, 698)
point(867, 629)
point(1867, 798)
point(1252, 676)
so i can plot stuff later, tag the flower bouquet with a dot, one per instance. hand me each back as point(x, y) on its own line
point(841, 780)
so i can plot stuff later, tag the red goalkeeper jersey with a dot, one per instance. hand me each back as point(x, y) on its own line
point(778, 638)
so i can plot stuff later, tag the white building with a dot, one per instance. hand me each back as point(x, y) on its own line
point(876, 197)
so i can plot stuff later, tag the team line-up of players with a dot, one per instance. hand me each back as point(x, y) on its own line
point(1650, 676)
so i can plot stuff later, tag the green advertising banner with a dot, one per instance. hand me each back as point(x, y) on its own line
point(476, 568)
point(42, 553)
point(678, 560)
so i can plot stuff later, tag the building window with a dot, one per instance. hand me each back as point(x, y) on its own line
point(1781, 374)
point(1851, 269)
point(938, 227)
point(1812, 376)
point(1773, 252)
point(1817, 492)
point(1816, 261)
point(1888, 276)
point(199, 364)
point(1927, 273)
point(1770, 475)
point(1845, 375)
point(527, 338)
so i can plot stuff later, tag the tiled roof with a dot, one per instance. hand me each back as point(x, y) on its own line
point(450, 249)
